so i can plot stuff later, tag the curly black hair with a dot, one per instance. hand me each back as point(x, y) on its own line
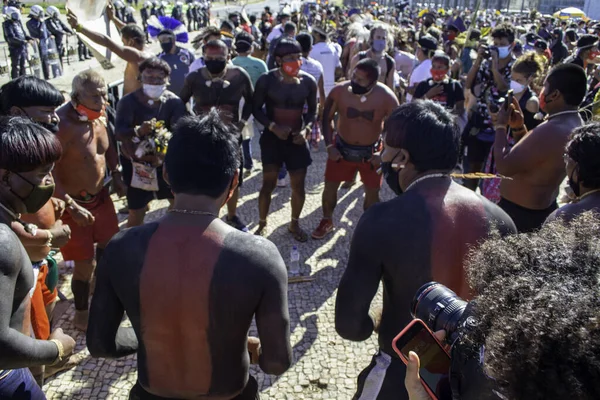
point(537, 303)
point(584, 148)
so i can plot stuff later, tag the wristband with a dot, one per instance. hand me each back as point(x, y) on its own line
point(79, 27)
point(49, 240)
point(61, 352)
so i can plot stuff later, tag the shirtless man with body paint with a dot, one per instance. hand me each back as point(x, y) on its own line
point(27, 155)
point(362, 105)
point(88, 153)
point(191, 284)
point(421, 236)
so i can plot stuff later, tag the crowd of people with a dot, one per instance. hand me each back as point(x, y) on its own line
point(476, 121)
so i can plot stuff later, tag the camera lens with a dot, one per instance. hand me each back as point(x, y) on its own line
point(439, 307)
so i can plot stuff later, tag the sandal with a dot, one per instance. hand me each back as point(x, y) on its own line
point(299, 234)
point(260, 230)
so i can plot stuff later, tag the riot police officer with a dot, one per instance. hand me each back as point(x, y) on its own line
point(58, 28)
point(15, 35)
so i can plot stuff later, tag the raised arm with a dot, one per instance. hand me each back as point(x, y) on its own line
point(359, 283)
point(106, 337)
point(18, 350)
point(127, 53)
point(272, 318)
point(258, 101)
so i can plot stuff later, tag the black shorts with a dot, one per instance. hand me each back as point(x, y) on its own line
point(275, 151)
point(250, 392)
point(525, 219)
point(477, 150)
point(138, 199)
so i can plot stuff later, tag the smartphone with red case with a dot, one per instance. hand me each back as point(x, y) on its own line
point(435, 360)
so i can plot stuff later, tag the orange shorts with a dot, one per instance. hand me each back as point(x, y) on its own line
point(342, 171)
point(83, 238)
point(41, 297)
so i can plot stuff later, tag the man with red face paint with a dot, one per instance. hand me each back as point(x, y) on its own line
point(80, 175)
point(535, 164)
point(221, 85)
point(362, 104)
point(283, 92)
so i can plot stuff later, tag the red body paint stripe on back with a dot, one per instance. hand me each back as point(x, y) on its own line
point(174, 299)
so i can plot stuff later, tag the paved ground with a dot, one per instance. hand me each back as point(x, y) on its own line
point(325, 366)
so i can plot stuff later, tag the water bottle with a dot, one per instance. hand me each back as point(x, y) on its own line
point(294, 261)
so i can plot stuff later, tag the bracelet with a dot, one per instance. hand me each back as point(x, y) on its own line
point(116, 170)
point(271, 125)
point(79, 27)
point(136, 131)
point(496, 127)
point(69, 201)
point(329, 146)
point(61, 352)
point(50, 237)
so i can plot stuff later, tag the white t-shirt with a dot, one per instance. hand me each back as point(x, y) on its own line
point(275, 33)
point(329, 58)
point(313, 68)
point(405, 62)
point(197, 64)
point(420, 73)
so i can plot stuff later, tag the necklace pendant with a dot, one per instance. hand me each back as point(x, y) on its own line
point(363, 99)
point(151, 102)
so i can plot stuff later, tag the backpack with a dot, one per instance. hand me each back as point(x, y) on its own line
point(389, 62)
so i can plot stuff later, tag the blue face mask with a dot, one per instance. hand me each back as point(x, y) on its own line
point(503, 51)
point(379, 45)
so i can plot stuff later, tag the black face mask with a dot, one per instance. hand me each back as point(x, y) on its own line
point(358, 89)
point(166, 47)
point(51, 127)
point(215, 66)
point(574, 185)
point(391, 177)
point(236, 23)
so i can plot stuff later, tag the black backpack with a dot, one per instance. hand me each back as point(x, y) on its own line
point(389, 62)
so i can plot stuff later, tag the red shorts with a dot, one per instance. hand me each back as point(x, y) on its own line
point(342, 171)
point(83, 238)
point(41, 297)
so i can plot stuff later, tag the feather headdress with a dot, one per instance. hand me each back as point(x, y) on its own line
point(156, 25)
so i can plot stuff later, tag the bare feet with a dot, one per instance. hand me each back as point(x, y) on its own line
point(81, 320)
point(260, 230)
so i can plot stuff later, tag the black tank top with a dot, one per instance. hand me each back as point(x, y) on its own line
point(530, 122)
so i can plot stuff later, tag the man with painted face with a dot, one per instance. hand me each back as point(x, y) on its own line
point(581, 164)
point(133, 123)
point(132, 50)
point(189, 327)
point(378, 42)
point(488, 80)
point(17, 39)
point(37, 99)
point(88, 154)
point(441, 223)
point(222, 86)
point(535, 164)
point(587, 50)
point(178, 58)
point(27, 155)
point(362, 104)
point(283, 92)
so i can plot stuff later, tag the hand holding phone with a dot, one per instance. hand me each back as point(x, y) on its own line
point(434, 370)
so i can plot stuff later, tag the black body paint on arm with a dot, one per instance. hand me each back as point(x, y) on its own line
point(328, 113)
point(258, 100)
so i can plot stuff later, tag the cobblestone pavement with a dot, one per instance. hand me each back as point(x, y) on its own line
point(325, 366)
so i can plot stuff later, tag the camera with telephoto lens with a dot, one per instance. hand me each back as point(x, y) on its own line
point(439, 308)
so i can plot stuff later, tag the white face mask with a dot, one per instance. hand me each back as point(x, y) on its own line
point(517, 87)
point(154, 91)
point(503, 51)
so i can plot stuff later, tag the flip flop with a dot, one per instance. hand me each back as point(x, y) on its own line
point(299, 234)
